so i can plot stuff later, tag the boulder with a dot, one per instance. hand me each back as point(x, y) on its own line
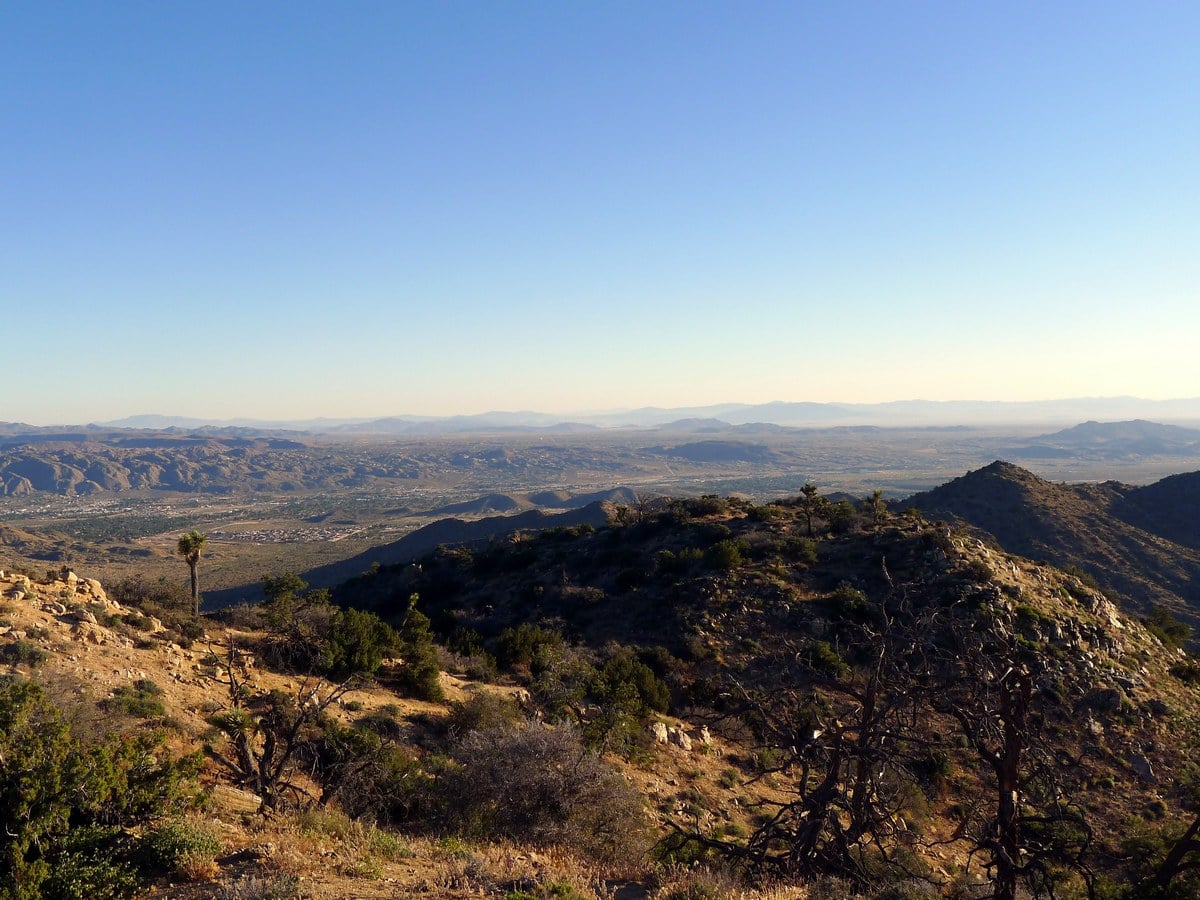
point(82, 615)
point(659, 732)
point(1141, 765)
point(86, 633)
point(679, 738)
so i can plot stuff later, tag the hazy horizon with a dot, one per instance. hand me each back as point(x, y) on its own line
point(283, 211)
point(895, 413)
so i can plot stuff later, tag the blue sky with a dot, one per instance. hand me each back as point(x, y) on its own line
point(283, 210)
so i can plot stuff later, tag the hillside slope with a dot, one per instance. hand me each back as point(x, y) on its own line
point(1169, 508)
point(1080, 526)
point(815, 712)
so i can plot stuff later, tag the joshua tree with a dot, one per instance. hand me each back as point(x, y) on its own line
point(189, 547)
point(811, 504)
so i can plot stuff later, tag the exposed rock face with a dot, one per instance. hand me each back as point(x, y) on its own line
point(679, 737)
point(659, 732)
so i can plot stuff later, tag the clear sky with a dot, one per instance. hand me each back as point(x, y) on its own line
point(283, 210)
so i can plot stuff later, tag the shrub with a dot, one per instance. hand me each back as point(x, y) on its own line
point(49, 780)
point(1187, 671)
point(90, 864)
point(821, 656)
point(521, 645)
point(667, 562)
point(802, 551)
point(978, 570)
point(1087, 578)
point(164, 599)
point(23, 653)
point(726, 555)
point(358, 641)
point(705, 505)
point(36, 769)
point(484, 711)
point(276, 887)
point(382, 721)
point(140, 700)
point(625, 675)
point(842, 517)
point(175, 844)
point(1168, 629)
point(364, 775)
point(763, 513)
point(539, 784)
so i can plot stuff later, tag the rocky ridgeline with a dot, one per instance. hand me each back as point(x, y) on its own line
point(80, 604)
point(1116, 674)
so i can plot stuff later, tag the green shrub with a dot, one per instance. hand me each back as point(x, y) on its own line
point(165, 599)
point(625, 674)
point(23, 652)
point(556, 890)
point(140, 700)
point(387, 845)
point(523, 644)
point(763, 513)
point(667, 562)
point(1187, 671)
point(705, 505)
point(483, 712)
point(799, 550)
point(91, 865)
point(171, 844)
point(821, 656)
point(358, 641)
point(1087, 578)
point(726, 555)
point(842, 517)
point(50, 780)
point(383, 721)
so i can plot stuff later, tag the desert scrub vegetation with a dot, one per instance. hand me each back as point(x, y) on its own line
point(540, 784)
point(308, 634)
point(70, 802)
point(22, 653)
point(180, 847)
point(141, 700)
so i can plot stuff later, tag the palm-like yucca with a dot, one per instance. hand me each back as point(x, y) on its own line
point(190, 546)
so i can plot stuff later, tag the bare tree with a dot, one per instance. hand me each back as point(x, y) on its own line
point(846, 740)
point(1181, 859)
point(988, 686)
point(266, 730)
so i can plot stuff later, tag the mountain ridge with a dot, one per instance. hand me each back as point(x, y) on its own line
point(1081, 527)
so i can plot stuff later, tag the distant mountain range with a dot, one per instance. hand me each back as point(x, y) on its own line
point(1110, 440)
point(94, 459)
point(720, 416)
